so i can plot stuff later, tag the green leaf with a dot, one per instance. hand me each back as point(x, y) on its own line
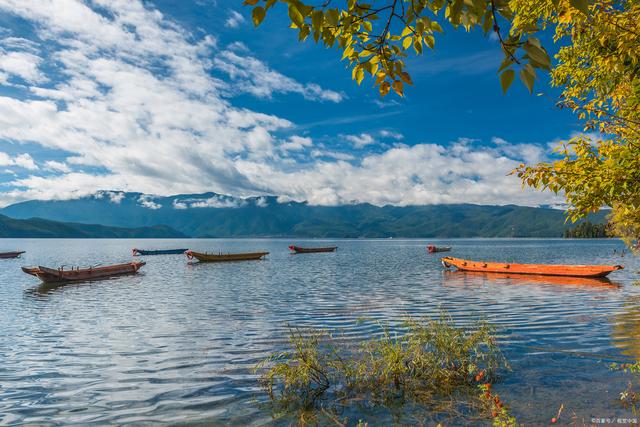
point(295, 15)
point(581, 5)
point(332, 16)
point(506, 62)
point(528, 76)
point(436, 27)
point(258, 15)
point(506, 78)
point(317, 17)
point(539, 55)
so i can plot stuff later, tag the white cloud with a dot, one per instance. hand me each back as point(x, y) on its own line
point(391, 135)
point(21, 64)
point(146, 201)
point(216, 201)
point(23, 160)
point(253, 76)
point(261, 202)
point(55, 166)
point(296, 143)
point(136, 106)
point(114, 197)
point(408, 175)
point(234, 20)
point(360, 141)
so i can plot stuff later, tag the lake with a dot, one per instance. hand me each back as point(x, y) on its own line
point(176, 344)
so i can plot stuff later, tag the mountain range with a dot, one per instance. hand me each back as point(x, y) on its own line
point(43, 228)
point(216, 215)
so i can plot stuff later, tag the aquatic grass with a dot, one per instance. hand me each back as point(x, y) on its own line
point(445, 369)
point(630, 398)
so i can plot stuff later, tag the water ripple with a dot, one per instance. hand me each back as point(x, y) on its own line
point(178, 343)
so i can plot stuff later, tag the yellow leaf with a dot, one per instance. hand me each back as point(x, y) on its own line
point(398, 87)
point(407, 42)
point(406, 77)
point(384, 88)
point(258, 15)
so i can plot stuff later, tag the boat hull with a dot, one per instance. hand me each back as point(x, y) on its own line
point(205, 257)
point(434, 249)
point(52, 275)
point(137, 252)
point(301, 250)
point(531, 269)
point(14, 254)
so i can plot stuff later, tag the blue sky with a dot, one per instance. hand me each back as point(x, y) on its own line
point(167, 97)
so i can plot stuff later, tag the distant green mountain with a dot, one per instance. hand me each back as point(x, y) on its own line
point(43, 228)
point(215, 215)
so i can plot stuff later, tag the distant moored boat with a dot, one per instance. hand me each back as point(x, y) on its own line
point(137, 252)
point(14, 254)
point(220, 257)
point(50, 275)
point(301, 250)
point(433, 249)
point(534, 269)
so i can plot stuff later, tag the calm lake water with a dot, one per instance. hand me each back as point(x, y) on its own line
point(176, 344)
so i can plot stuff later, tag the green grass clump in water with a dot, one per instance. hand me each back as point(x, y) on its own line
point(630, 398)
point(446, 370)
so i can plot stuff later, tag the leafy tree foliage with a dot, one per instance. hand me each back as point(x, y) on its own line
point(587, 230)
point(597, 66)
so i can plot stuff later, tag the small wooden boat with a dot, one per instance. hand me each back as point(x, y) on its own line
point(14, 254)
point(433, 249)
point(535, 269)
point(51, 275)
point(207, 257)
point(137, 252)
point(301, 250)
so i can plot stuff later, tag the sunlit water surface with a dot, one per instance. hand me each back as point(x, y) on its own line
point(176, 344)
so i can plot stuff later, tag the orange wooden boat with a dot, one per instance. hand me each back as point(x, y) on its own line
point(534, 269)
point(301, 250)
point(51, 275)
point(205, 257)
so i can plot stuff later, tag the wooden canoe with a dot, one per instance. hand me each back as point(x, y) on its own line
point(433, 249)
point(137, 252)
point(51, 275)
point(14, 254)
point(534, 269)
point(301, 250)
point(220, 257)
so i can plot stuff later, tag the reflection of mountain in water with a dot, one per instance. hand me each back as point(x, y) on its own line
point(626, 328)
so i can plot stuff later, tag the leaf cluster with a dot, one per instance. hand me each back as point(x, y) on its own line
point(376, 37)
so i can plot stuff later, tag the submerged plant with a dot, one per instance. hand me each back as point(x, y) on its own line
point(435, 365)
point(630, 398)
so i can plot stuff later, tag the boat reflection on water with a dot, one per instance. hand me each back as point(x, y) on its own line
point(625, 332)
point(477, 278)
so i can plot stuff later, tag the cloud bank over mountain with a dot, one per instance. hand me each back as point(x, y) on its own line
point(113, 94)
